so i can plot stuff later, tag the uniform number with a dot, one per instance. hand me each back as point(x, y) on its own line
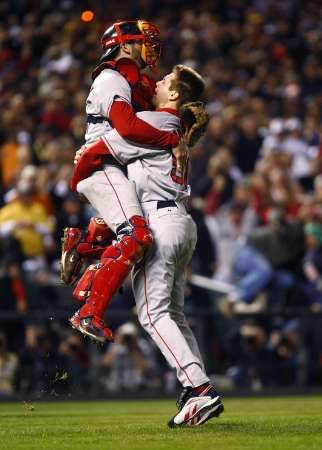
point(179, 176)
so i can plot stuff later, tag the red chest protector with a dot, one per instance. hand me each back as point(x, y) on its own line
point(143, 87)
point(143, 92)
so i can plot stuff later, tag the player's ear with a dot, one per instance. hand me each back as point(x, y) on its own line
point(126, 47)
point(173, 95)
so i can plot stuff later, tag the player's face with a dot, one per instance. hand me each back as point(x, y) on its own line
point(135, 50)
point(163, 91)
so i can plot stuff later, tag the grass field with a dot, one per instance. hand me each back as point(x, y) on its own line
point(262, 423)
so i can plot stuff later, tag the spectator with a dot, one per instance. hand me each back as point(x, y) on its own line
point(129, 360)
point(223, 173)
point(41, 365)
point(248, 345)
point(28, 177)
point(274, 140)
point(248, 144)
point(287, 355)
point(12, 282)
point(76, 357)
point(228, 229)
point(313, 265)
point(10, 165)
point(27, 221)
point(8, 369)
point(280, 241)
point(300, 152)
point(250, 276)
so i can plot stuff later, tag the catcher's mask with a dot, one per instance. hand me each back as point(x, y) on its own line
point(129, 31)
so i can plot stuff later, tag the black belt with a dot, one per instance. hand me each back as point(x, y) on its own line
point(94, 119)
point(166, 204)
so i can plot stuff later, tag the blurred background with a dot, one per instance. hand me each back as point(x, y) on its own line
point(254, 294)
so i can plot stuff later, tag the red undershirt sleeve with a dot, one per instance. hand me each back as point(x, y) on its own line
point(18, 289)
point(129, 126)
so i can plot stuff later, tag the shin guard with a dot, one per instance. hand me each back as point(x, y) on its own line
point(83, 287)
point(116, 263)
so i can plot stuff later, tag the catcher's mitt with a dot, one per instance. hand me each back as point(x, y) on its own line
point(195, 119)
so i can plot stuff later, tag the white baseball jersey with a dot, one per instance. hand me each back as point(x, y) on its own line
point(108, 86)
point(153, 171)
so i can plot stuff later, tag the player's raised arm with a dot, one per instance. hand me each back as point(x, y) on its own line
point(124, 119)
point(173, 110)
point(192, 115)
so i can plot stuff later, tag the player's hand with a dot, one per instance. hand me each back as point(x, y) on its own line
point(79, 153)
point(181, 153)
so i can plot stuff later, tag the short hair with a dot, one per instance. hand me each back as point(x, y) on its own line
point(188, 83)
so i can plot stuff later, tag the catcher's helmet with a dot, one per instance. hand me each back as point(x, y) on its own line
point(130, 31)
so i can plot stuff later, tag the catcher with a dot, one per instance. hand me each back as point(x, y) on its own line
point(117, 83)
point(158, 279)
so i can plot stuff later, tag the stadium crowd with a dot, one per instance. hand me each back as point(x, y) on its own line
point(256, 181)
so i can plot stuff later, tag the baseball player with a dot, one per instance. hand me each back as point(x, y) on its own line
point(159, 279)
point(109, 105)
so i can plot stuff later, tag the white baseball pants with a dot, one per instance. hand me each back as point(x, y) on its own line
point(111, 193)
point(158, 284)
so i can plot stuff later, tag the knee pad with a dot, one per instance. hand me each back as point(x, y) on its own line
point(98, 232)
point(134, 237)
point(95, 239)
point(141, 231)
point(127, 250)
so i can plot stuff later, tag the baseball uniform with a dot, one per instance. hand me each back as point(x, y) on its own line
point(109, 191)
point(159, 280)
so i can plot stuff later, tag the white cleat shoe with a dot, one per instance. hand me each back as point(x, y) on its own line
point(195, 410)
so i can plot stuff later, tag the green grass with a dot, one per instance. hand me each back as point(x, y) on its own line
point(290, 423)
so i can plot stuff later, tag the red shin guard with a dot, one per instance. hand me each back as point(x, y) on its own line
point(83, 287)
point(116, 263)
point(88, 251)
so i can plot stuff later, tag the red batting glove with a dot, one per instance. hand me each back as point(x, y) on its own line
point(89, 161)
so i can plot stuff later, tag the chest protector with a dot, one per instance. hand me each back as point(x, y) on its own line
point(143, 87)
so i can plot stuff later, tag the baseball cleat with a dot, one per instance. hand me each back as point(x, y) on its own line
point(196, 409)
point(94, 327)
point(71, 261)
point(208, 413)
point(75, 321)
